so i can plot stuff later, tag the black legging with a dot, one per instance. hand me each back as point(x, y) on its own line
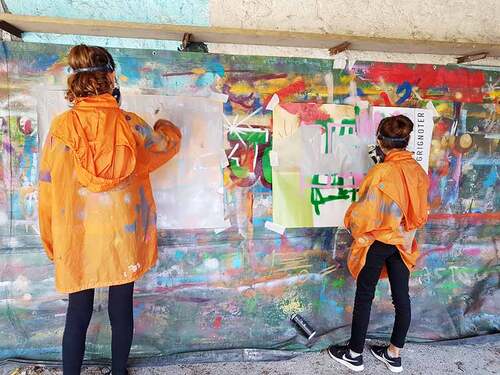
point(378, 255)
point(77, 321)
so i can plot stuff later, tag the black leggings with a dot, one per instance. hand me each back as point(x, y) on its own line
point(378, 255)
point(77, 321)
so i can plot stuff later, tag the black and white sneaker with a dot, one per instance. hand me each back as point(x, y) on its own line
point(393, 364)
point(342, 355)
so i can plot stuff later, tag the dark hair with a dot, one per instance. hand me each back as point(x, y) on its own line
point(394, 132)
point(91, 67)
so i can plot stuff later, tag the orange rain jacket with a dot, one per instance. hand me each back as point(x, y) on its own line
point(96, 208)
point(392, 205)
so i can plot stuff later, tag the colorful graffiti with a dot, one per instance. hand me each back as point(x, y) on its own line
point(221, 291)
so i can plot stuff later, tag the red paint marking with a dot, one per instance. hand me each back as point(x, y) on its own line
point(218, 322)
point(440, 129)
point(473, 252)
point(387, 100)
point(440, 249)
point(480, 216)
point(426, 76)
point(294, 88)
point(308, 112)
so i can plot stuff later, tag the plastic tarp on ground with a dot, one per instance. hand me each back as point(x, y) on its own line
point(222, 294)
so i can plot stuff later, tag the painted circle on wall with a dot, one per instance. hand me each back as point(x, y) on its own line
point(26, 125)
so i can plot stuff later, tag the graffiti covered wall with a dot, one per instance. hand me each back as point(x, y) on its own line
point(236, 288)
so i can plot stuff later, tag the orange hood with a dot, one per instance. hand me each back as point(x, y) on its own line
point(102, 141)
point(411, 196)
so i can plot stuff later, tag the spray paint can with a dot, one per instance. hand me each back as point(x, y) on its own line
point(303, 325)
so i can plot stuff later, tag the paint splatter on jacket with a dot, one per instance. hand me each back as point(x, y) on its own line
point(392, 205)
point(96, 208)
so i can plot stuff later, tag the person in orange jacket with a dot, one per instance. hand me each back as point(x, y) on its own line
point(96, 208)
point(392, 205)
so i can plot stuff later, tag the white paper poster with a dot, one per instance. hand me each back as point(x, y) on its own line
point(421, 137)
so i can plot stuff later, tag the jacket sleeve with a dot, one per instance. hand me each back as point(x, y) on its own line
point(424, 201)
point(161, 143)
point(45, 197)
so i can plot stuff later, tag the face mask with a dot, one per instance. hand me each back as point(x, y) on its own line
point(376, 153)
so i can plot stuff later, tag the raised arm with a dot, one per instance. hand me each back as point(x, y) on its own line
point(161, 143)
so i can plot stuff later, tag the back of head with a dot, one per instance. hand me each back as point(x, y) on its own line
point(394, 132)
point(91, 68)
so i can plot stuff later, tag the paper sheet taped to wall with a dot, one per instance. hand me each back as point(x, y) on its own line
point(187, 188)
point(321, 160)
point(323, 157)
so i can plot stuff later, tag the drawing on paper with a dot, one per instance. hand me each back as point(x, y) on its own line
point(320, 161)
point(322, 157)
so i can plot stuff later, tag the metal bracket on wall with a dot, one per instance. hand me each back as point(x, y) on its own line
point(11, 29)
point(188, 45)
point(473, 57)
point(339, 48)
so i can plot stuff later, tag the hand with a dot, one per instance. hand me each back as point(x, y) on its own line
point(162, 123)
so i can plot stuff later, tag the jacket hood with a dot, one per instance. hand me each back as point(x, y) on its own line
point(102, 141)
point(411, 195)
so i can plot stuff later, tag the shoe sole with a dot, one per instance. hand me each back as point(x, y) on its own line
point(384, 361)
point(346, 364)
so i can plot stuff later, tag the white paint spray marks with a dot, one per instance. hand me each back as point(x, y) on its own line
point(211, 264)
point(330, 86)
point(4, 218)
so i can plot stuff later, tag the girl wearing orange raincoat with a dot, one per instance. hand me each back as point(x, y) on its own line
point(96, 208)
point(392, 205)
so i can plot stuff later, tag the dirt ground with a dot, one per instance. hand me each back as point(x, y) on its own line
point(460, 358)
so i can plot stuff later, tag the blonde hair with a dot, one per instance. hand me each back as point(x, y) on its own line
point(92, 82)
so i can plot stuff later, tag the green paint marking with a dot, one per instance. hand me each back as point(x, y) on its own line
point(267, 171)
point(348, 121)
point(339, 283)
point(448, 285)
point(237, 170)
point(317, 198)
point(254, 138)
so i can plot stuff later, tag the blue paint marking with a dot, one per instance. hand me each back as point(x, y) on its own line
point(237, 262)
point(406, 89)
point(491, 179)
point(215, 67)
point(360, 92)
point(228, 108)
point(45, 176)
point(147, 133)
point(44, 62)
point(256, 103)
point(131, 228)
point(144, 210)
point(206, 79)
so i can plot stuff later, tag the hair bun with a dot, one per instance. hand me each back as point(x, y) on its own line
point(394, 131)
point(91, 67)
